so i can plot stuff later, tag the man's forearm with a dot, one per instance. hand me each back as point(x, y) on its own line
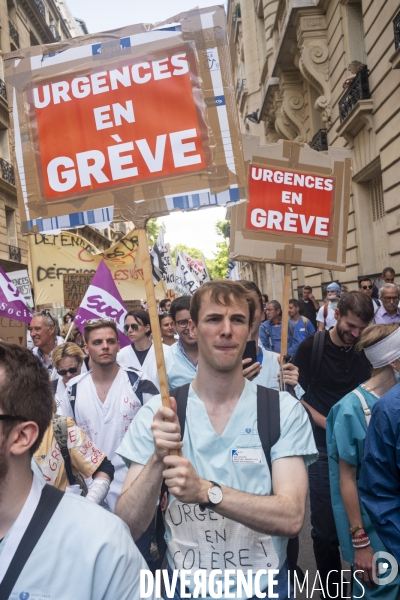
point(272, 515)
point(319, 419)
point(137, 504)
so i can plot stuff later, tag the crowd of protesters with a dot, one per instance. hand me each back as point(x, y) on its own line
point(220, 479)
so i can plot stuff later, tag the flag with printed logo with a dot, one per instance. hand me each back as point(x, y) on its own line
point(12, 302)
point(103, 301)
point(196, 267)
point(161, 264)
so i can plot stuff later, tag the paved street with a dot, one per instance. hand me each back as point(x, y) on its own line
point(306, 558)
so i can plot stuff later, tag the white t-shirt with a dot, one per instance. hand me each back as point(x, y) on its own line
point(330, 317)
point(127, 358)
point(235, 459)
point(104, 423)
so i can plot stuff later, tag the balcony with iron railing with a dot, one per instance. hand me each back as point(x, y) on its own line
point(54, 31)
point(395, 59)
point(14, 35)
point(356, 105)
point(41, 8)
point(7, 171)
point(14, 253)
point(357, 90)
point(3, 90)
point(320, 141)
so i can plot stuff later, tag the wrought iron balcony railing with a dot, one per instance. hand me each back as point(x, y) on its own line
point(14, 35)
point(14, 253)
point(55, 33)
point(41, 8)
point(320, 141)
point(3, 90)
point(396, 27)
point(7, 171)
point(358, 90)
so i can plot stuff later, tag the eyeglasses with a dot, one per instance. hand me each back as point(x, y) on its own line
point(183, 323)
point(11, 418)
point(63, 372)
point(132, 326)
point(366, 287)
point(390, 299)
point(47, 313)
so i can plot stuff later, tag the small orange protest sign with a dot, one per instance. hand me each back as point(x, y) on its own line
point(287, 201)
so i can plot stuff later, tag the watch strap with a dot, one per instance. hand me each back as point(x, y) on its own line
point(209, 504)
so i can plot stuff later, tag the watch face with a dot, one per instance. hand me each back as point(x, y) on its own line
point(215, 494)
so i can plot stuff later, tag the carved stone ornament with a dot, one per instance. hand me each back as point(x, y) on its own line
point(314, 66)
point(293, 109)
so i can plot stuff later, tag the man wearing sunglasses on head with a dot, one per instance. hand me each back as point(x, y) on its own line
point(43, 330)
point(104, 401)
point(365, 286)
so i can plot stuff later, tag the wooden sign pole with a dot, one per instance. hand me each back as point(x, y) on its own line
point(285, 312)
point(155, 323)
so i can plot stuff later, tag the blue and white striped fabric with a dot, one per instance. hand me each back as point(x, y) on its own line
point(202, 198)
point(99, 216)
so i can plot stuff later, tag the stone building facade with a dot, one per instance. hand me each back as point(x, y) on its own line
point(290, 60)
point(23, 23)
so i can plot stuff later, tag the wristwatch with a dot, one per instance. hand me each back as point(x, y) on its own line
point(214, 494)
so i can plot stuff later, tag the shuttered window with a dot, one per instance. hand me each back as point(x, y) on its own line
point(377, 201)
point(11, 228)
point(356, 33)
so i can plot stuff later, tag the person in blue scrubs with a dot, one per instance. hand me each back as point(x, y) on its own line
point(271, 330)
point(346, 430)
point(303, 326)
point(220, 506)
point(181, 358)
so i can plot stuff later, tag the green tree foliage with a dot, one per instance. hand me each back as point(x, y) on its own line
point(220, 262)
point(152, 231)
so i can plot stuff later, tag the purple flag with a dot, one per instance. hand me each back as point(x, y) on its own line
point(103, 301)
point(12, 302)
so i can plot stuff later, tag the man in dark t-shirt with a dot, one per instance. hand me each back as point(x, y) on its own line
point(341, 370)
point(309, 306)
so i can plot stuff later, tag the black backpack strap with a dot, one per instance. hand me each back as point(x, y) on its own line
point(49, 500)
point(72, 398)
point(269, 430)
point(316, 354)
point(181, 396)
point(60, 430)
point(268, 420)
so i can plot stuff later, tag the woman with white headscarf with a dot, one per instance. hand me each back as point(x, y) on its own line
point(346, 429)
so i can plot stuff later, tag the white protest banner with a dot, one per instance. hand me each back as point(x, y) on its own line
point(21, 281)
point(196, 267)
point(186, 282)
point(232, 271)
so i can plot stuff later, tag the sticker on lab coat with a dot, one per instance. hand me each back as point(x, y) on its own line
point(247, 455)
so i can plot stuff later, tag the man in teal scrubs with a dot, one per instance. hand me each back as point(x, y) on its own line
point(221, 513)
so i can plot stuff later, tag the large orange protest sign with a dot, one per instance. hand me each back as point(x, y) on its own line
point(122, 140)
point(290, 202)
point(142, 121)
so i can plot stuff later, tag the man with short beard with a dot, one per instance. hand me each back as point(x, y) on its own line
point(39, 522)
point(329, 371)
